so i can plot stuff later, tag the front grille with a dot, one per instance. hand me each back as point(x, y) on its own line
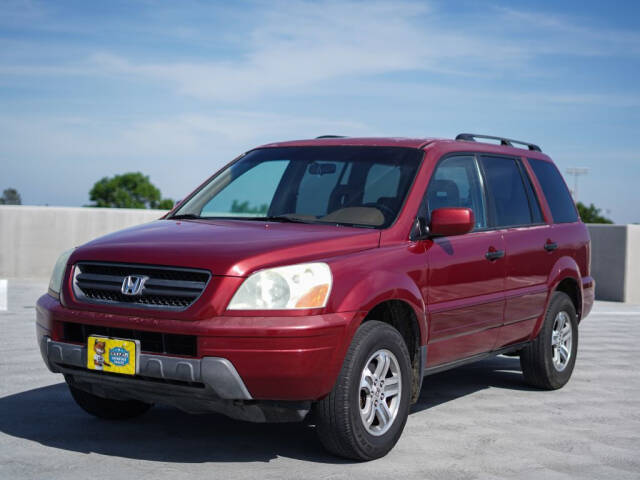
point(150, 342)
point(165, 287)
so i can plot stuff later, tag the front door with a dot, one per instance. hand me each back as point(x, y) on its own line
point(465, 288)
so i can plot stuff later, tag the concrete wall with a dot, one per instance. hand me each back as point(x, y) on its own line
point(632, 273)
point(615, 262)
point(609, 260)
point(31, 238)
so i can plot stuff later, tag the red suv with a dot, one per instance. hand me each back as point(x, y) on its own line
point(327, 275)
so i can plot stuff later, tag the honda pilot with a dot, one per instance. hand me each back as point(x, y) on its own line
point(327, 277)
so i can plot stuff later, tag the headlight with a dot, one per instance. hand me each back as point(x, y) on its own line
point(284, 288)
point(58, 272)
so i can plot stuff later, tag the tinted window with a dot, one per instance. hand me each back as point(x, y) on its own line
point(262, 181)
point(456, 183)
point(507, 189)
point(382, 183)
point(558, 197)
point(534, 204)
point(359, 186)
point(316, 187)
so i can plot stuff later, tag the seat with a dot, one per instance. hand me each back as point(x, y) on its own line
point(389, 202)
point(342, 196)
point(443, 193)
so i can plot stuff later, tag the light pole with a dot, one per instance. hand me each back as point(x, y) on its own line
point(576, 172)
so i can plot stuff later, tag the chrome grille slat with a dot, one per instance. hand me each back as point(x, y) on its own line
point(176, 283)
point(167, 288)
point(169, 292)
point(100, 278)
point(84, 285)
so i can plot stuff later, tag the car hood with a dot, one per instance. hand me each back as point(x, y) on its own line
point(225, 247)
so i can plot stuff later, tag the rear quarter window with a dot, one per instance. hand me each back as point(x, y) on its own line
point(563, 209)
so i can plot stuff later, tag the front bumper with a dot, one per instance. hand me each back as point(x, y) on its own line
point(216, 375)
point(283, 359)
point(194, 385)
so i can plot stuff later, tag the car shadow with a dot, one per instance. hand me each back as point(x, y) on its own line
point(497, 372)
point(49, 416)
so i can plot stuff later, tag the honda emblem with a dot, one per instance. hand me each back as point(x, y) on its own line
point(133, 284)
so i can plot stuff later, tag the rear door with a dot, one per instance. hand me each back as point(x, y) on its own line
point(465, 287)
point(564, 237)
point(530, 255)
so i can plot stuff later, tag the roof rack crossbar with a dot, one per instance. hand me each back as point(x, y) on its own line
point(331, 136)
point(471, 137)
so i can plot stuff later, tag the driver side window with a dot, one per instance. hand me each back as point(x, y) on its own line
point(457, 183)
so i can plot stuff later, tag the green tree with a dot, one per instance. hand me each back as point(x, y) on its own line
point(244, 207)
point(10, 196)
point(129, 190)
point(591, 214)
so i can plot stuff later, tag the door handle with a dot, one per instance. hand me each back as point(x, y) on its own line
point(494, 254)
point(550, 246)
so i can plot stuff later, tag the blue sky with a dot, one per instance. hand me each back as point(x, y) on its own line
point(177, 89)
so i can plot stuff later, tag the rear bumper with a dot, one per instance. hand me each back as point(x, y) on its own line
point(294, 358)
point(588, 295)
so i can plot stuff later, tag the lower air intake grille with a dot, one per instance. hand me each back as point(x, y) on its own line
point(153, 342)
point(141, 286)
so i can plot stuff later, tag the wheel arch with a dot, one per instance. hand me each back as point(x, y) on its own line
point(564, 277)
point(399, 304)
point(401, 316)
point(370, 293)
point(571, 287)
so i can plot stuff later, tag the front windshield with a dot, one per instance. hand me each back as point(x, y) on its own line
point(356, 186)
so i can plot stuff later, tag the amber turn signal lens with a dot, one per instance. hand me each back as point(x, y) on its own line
point(314, 297)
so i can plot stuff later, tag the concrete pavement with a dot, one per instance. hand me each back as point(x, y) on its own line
point(479, 421)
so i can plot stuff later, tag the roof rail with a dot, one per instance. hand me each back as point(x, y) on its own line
point(331, 136)
point(471, 137)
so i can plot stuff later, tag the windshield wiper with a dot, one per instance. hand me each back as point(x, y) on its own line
point(280, 218)
point(184, 216)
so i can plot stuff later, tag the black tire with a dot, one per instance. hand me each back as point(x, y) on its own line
point(106, 408)
point(536, 359)
point(338, 422)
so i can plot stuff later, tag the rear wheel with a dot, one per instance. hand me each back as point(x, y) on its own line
point(549, 360)
point(364, 415)
point(106, 408)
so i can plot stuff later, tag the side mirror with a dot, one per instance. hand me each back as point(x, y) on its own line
point(450, 221)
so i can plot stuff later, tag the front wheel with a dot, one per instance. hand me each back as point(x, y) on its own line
point(364, 415)
point(549, 360)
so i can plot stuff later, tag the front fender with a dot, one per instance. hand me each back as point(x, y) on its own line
point(372, 290)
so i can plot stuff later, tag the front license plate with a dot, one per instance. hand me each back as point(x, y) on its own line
point(113, 355)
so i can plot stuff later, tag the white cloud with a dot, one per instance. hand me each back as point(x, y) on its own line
point(184, 135)
point(303, 43)
point(298, 44)
point(295, 46)
point(554, 34)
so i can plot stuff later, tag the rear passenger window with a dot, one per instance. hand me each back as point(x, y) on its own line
point(456, 183)
point(555, 190)
point(534, 204)
point(506, 186)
